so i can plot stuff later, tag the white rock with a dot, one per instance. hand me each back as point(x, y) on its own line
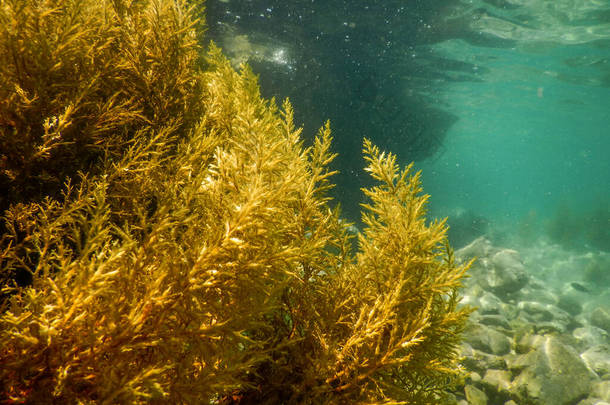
point(597, 358)
point(590, 335)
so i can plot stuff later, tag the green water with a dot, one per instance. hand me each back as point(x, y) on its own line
point(526, 139)
point(533, 136)
point(504, 105)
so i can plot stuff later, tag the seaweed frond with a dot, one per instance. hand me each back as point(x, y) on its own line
point(80, 78)
point(183, 247)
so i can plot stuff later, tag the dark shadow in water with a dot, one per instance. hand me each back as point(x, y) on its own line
point(366, 66)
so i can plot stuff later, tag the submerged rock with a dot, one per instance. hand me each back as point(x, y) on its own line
point(507, 272)
point(570, 303)
point(475, 396)
point(601, 390)
point(536, 311)
point(497, 321)
point(593, 401)
point(499, 271)
point(588, 335)
point(477, 361)
point(600, 317)
point(535, 291)
point(530, 341)
point(597, 358)
point(490, 304)
point(497, 382)
point(552, 374)
point(480, 247)
point(486, 339)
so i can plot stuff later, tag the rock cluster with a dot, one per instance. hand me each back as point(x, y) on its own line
point(532, 341)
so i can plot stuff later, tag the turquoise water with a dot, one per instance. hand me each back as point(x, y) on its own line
point(533, 135)
point(504, 105)
point(526, 138)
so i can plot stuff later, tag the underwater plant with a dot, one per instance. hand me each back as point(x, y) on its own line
point(201, 260)
point(79, 78)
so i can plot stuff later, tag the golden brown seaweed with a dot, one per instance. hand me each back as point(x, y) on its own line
point(80, 78)
point(202, 261)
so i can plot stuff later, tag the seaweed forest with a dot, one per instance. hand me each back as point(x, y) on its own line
point(167, 236)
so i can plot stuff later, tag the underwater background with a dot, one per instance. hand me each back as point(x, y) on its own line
point(170, 236)
point(503, 105)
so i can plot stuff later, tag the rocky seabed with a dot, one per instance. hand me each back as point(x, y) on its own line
point(540, 335)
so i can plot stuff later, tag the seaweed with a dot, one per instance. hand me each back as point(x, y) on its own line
point(80, 78)
point(199, 257)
